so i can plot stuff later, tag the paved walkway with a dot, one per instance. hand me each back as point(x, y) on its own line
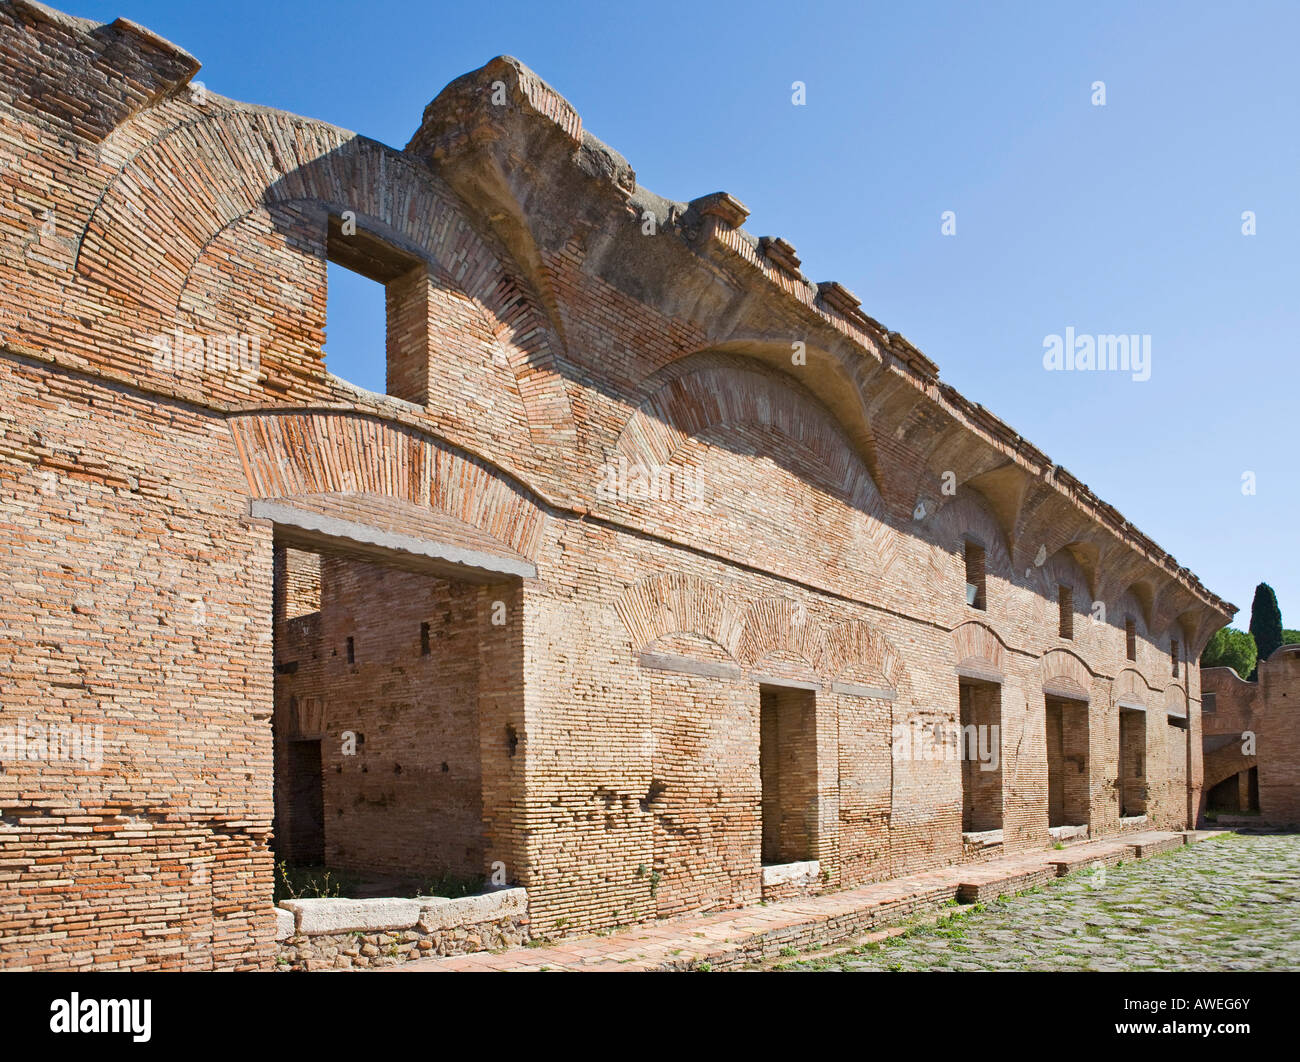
point(1231, 905)
point(730, 939)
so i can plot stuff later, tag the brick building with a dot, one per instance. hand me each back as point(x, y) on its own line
point(1251, 740)
point(660, 579)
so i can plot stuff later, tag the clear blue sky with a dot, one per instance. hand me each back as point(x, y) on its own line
point(1117, 219)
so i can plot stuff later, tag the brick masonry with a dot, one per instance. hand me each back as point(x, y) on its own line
point(1253, 727)
point(602, 478)
point(736, 939)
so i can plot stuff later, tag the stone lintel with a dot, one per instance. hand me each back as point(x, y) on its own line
point(686, 665)
point(788, 683)
point(852, 689)
point(309, 530)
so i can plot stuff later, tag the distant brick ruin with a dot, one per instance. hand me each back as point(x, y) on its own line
point(1251, 741)
point(661, 578)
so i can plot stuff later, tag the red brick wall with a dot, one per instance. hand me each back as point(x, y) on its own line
point(138, 599)
point(822, 547)
point(702, 794)
point(1261, 713)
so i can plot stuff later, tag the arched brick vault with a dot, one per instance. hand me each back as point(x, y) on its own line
point(1109, 572)
point(701, 394)
point(1063, 568)
point(707, 390)
point(323, 452)
point(706, 394)
point(1031, 514)
point(1040, 517)
point(1218, 765)
point(968, 516)
point(1130, 604)
point(262, 161)
point(673, 603)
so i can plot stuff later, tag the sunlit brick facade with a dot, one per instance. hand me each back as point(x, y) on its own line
point(653, 558)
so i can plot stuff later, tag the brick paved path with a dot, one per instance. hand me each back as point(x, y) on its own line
point(735, 939)
point(1230, 905)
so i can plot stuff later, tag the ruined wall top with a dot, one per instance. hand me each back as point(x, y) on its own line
point(517, 155)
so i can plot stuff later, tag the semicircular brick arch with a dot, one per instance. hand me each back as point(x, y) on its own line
point(779, 626)
point(257, 160)
point(1130, 606)
point(857, 650)
point(1131, 685)
point(704, 392)
point(1062, 568)
point(706, 396)
point(676, 603)
point(289, 454)
point(1062, 670)
point(975, 644)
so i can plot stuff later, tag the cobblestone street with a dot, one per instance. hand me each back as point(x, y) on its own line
point(1233, 904)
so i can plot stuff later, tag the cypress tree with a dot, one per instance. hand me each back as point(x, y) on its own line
point(1265, 623)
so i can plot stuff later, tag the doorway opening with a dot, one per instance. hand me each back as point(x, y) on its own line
point(980, 747)
point(787, 754)
point(1132, 763)
point(1068, 790)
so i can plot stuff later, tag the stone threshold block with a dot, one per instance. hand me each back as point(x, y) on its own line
point(982, 838)
point(331, 915)
point(981, 844)
point(1088, 861)
point(338, 934)
point(316, 917)
point(441, 913)
point(805, 873)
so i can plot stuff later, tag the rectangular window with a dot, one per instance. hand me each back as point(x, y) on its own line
point(424, 639)
point(352, 651)
point(975, 576)
point(376, 313)
point(1065, 604)
point(355, 328)
point(1209, 702)
point(1173, 655)
point(1130, 638)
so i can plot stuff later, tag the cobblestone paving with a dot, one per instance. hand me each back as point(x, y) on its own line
point(1231, 903)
